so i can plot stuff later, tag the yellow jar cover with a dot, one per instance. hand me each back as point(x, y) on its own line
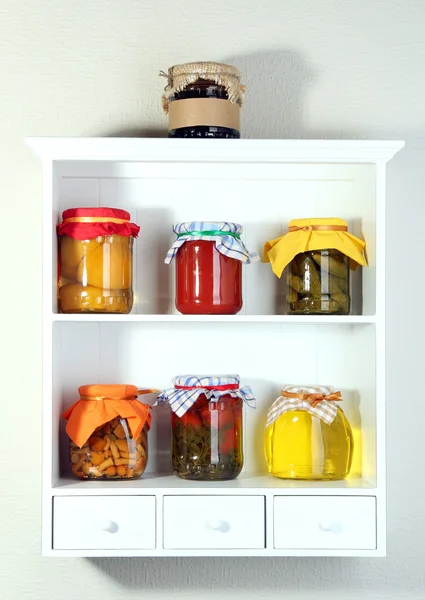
point(313, 234)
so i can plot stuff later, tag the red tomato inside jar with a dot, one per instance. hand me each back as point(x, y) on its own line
point(207, 442)
point(209, 259)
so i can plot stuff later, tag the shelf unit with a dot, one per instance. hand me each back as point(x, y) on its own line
point(261, 184)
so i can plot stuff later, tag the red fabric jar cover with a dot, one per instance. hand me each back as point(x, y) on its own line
point(88, 223)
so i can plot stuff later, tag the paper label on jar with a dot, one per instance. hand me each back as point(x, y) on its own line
point(211, 112)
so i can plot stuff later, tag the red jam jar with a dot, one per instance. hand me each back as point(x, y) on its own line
point(206, 417)
point(209, 257)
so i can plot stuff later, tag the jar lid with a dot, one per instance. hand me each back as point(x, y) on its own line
point(213, 227)
point(104, 391)
point(181, 76)
point(208, 382)
point(318, 400)
point(99, 404)
point(90, 222)
point(305, 235)
point(225, 235)
point(188, 388)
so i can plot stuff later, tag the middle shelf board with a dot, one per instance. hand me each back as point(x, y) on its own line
point(241, 485)
point(158, 318)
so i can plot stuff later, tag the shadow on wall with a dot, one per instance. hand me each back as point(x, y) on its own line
point(223, 574)
point(278, 83)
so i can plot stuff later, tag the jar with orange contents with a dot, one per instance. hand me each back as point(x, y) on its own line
point(96, 260)
point(108, 429)
point(206, 417)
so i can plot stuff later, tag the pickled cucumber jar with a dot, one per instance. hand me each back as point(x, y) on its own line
point(308, 435)
point(319, 283)
point(203, 100)
point(319, 254)
point(206, 418)
point(107, 429)
point(96, 261)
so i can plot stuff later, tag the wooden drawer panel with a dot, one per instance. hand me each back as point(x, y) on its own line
point(208, 522)
point(103, 522)
point(325, 522)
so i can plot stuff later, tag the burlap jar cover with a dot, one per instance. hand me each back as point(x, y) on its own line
point(192, 112)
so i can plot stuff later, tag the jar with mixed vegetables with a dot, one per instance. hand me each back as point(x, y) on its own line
point(207, 430)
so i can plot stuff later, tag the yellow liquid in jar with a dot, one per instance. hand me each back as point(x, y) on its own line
point(298, 445)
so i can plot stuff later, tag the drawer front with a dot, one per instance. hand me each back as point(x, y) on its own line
point(325, 522)
point(103, 522)
point(214, 522)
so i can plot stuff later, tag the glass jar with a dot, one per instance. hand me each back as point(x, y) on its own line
point(209, 260)
point(203, 100)
point(319, 254)
point(108, 429)
point(319, 283)
point(96, 261)
point(111, 452)
point(308, 436)
point(207, 426)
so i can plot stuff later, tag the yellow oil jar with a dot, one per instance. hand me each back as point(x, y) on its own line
point(307, 435)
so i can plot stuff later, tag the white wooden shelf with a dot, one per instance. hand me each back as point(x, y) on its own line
point(261, 184)
point(274, 319)
point(245, 482)
point(199, 150)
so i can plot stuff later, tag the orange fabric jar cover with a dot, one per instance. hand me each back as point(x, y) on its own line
point(88, 223)
point(99, 404)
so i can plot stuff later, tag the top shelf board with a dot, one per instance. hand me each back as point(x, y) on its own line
point(165, 150)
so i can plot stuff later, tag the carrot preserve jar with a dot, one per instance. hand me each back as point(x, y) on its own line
point(96, 260)
point(108, 429)
point(209, 259)
point(206, 416)
point(203, 100)
point(319, 254)
point(307, 435)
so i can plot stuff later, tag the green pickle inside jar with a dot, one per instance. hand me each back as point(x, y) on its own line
point(207, 440)
point(319, 283)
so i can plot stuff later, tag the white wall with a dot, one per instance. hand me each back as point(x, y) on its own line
point(350, 68)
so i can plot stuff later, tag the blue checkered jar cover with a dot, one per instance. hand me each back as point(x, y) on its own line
point(227, 238)
point(188, 388)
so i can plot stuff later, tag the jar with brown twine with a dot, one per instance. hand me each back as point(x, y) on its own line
point(203, 99)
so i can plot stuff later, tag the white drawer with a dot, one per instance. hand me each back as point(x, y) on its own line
point(325, 522)
point(103, 522)
point(221, 522)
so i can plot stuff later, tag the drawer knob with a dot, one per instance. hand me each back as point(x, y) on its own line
point(109, 526)
point(325, 526)
point(218, 525)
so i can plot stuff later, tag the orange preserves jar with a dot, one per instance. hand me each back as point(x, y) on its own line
point(108, 429)
point(96, 260)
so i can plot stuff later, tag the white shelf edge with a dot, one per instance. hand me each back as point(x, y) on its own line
point(245, 484)
point(156, 318)
point(239, 151)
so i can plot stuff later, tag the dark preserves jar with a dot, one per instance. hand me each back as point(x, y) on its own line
point(207, 425)
point(209, 260)
point(203, 100)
